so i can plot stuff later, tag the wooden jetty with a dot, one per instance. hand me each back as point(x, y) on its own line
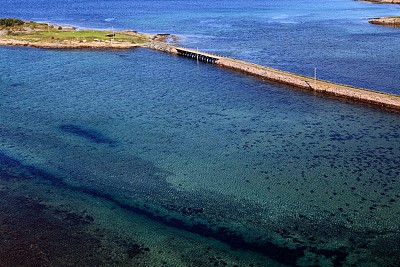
point(375, 98)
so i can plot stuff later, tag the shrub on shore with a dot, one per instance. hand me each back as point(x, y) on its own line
point(10, 22)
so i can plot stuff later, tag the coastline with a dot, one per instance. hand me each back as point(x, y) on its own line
point(165, 122)
point(70, 44)
point(16, 32)
point(383, 1)
point(386, 21)
point(159, 43)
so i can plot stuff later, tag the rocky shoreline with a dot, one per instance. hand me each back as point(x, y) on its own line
point(70, 44)
point(383, 1)
point(16, 32)
point(386, 21)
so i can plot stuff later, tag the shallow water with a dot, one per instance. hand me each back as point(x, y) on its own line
point(333, 36)
point(263, 168)
point(142, 158)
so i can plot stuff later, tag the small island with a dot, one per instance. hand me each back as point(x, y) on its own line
point(386, 21)
point(384, 1)
point(16, 32)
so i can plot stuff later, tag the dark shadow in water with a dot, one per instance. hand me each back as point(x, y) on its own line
point(33, 233)
point(88, 134)
point(8, 161)
point(284, 255)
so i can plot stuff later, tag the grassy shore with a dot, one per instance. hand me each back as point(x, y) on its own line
point(383, 1)
point(55, 35)
point(14, 29)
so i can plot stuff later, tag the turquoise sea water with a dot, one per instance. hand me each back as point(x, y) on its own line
point(138, 158)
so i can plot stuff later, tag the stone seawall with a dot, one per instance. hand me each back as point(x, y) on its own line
point(163, 47)
point(325, 87)
point(379, 99)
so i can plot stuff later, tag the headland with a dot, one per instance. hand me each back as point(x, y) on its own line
point(57, 37)
point(383, 1)
point(386, 21)
point(15, 32)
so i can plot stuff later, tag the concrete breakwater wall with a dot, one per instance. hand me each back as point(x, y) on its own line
point(325, 87)
point(362, 95)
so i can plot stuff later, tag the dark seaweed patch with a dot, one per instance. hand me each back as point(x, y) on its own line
point(8, 161)
point(16, 84)
point(33, 234)
point(136, 250)
point(86, 133)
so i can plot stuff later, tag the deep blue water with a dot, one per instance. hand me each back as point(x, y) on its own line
point(202, 165)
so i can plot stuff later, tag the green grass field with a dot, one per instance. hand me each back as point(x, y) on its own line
point(80, 36)
point(42, 32)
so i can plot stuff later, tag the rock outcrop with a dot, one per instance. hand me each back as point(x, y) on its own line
point(386, 21)
point(160, 46)
point(384, 1)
